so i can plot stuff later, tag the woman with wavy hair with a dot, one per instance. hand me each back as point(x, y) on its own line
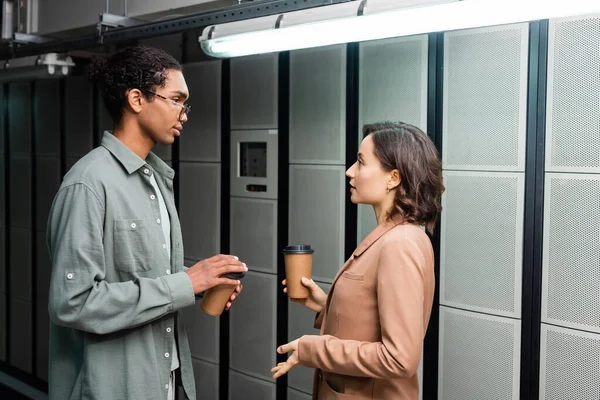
point(373, 321)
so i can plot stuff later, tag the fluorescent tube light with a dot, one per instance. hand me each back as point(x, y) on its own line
point(226, 40)
point(31, 68)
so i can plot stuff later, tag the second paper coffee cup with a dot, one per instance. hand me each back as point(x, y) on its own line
point(215, 299)
point(298, 264)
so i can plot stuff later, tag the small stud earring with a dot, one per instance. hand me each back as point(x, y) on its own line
point(388, 190)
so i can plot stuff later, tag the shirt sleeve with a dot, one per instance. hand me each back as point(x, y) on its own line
point(400, 298)
point(80, 297)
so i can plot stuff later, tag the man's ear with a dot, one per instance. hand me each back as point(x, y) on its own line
point(135, 99)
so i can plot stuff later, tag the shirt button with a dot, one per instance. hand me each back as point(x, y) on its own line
point(158, 220)
point(146, 171)
point(168, 330)
point(168, 272)
point(133, 225)
point(152, 197)
point(69, 276)
point(164, 246)
point(167, 355)
point(167, 386)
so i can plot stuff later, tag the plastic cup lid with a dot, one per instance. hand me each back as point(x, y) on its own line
point(234, 275)
point(298, 249)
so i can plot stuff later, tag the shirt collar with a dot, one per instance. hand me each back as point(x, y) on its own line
point(131, 161)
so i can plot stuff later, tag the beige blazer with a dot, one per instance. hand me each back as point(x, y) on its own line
point(375, 318)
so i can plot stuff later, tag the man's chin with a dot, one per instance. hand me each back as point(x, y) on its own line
point(166, 141)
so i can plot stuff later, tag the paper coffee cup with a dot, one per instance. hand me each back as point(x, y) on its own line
point(215, 299)
point(298, 264)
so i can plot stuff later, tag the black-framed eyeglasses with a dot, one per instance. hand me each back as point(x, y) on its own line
point(185, 108)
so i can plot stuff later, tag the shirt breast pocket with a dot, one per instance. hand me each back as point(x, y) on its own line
point(132, 246)
point(353, 276)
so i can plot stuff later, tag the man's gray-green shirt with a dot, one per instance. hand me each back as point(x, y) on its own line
point(114, 290)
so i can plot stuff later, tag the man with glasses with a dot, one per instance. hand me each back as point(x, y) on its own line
point(118, 280)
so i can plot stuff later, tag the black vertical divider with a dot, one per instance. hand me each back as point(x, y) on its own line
point(225, 225)
point(175, 147)
point(7, 218)
point(283, 174)
point(34, 255)
point(435, 82)
point(96, 134)
point(175, 155)
point(62, 123)
point(352, 137)
point(534, 209)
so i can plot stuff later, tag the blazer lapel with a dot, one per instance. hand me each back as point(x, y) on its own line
point(371, 238)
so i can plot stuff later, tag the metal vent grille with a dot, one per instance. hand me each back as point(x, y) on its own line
point(318, 105)
point(254, 92)
point(485, 98)
point(393, 81)
point(481, 242)
point(571, 266)
point(569, 364)
point(573, 107)
point(479, 356)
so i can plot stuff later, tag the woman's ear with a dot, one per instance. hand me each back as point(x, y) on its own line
point(394, 180)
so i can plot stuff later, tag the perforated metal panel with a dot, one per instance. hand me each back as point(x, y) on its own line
point(301, 322)
point(393, 81)
point(2, 194)
point(481, 241)
point(253, 326)
point(3, 327)
point(479, 356)
point(43, 268)
point(246, 387)
point(203, 333)
point(3, 260)
point(46, 112)
point(79, 129)
point(485, 98)
point(20, 263)
point(367, 221)
point(47, 184)
point(200, 209)
point(207, 380)
point(297, 395)
point(201, 137)
point(254, 83)
point(573, 99)
point(392, 86)
point(104, 120)
point(253, 236)
point(169, 43)
point(318, 105)
point(2, 123)
point(19, 119)
point(317, 215)
point(571, 260)
point(20, 332)
point(70, 161)
point(20, 192)
point(569, 364)
point(165, 152)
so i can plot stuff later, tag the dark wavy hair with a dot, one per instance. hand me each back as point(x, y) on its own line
point(136, 67)
point(409, 150)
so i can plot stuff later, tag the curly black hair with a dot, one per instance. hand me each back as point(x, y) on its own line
point(139, 67)
point(406, 148)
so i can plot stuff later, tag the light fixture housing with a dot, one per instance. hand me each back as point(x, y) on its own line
point(46, 66)
point(365, 20)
